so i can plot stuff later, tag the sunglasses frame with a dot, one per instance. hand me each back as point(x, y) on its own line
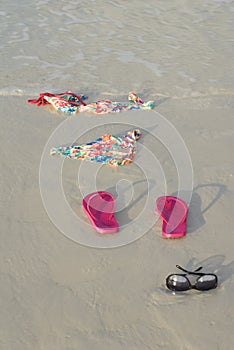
point(191, 286)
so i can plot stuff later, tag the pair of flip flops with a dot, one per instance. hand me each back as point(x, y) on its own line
point(100, 207)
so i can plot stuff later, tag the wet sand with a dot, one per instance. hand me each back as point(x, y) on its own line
point(57, 294)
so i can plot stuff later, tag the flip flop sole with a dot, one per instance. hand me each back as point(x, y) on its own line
point(99, 207)
point(173, 212)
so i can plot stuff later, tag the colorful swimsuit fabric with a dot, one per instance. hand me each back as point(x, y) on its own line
point(108, 149)
point(66, 102)
point(70, 103)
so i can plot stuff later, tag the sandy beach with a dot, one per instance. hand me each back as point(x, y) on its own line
point(56, 294)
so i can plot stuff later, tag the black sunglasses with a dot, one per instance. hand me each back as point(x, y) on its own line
point(180, 282)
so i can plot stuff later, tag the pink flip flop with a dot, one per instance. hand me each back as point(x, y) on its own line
point(99, 207)
point(173, 212)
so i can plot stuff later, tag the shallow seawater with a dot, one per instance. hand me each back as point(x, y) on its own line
point(170, 48)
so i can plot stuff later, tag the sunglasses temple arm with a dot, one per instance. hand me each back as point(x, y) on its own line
point(198, 269)
point(182, 269)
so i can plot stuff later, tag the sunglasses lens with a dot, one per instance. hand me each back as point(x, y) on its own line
point(206, 282)
point(178, 283)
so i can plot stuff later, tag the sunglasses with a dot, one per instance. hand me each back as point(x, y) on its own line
point(180, 282)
